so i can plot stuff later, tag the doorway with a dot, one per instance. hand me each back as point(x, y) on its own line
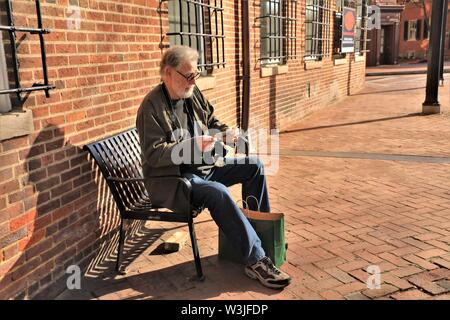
point(387, 44)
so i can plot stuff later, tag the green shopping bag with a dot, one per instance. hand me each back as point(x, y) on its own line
point(269, 227)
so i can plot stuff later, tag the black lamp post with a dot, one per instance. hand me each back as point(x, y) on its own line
point(431, 104)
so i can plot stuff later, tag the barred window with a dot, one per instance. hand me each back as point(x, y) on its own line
point(317, 39)
point(361, 26)
point(11, 29)
point(337, 30)
point(199, 24)
point(278, 31)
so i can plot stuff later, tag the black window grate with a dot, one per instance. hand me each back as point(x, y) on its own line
point(12, 29)
point(337, 30)
point(361, 28)
point(318, 29)
point(278, 31)
point(199, 24)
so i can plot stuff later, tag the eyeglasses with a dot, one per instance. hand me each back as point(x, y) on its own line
point(190, 76)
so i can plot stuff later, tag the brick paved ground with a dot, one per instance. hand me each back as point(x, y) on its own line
point(349, 204)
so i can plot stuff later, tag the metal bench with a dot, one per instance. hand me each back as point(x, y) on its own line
point(119, 160)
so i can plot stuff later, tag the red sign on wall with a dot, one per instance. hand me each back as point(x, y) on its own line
point(348, 30)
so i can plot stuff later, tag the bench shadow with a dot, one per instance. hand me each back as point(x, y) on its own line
point(223, 280)
point(138, 236)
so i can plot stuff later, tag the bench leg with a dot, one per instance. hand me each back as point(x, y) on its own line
point(120, 249)
point(198, 265)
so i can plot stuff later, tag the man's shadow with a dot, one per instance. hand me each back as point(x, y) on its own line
point(35, 224)
point(68, 218)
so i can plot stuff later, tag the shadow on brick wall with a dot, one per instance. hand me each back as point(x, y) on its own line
point(97, 254)
point(69, 219)
point(40, 228)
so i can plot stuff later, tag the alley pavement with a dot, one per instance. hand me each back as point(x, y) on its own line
point(364, 185)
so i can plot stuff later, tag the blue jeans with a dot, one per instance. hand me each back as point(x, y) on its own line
point(211, 191)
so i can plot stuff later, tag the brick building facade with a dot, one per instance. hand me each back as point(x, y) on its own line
point(54, 207)
point(414, 34)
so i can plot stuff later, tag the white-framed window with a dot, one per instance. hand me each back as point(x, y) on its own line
point(412, 30)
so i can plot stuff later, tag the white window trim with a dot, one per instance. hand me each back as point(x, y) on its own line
point(5, 102)
point(206, 82)
point(313, 64)
point(413, 38)
point(272, 70)
point(16, 124)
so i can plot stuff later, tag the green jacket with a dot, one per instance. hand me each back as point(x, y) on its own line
point(157, 139)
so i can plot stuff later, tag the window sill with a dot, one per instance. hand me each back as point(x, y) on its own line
point(339, 61)
point(359, 58)
point(268, 71)
point(206, 82)
point(16, 124)
point(313, 64)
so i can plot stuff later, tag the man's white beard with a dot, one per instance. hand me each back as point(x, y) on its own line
point(186, 94)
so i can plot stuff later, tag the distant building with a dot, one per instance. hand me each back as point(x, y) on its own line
point(384, 42)
point(403, 34)
point(415, 32)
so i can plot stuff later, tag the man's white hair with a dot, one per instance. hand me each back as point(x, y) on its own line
point(177, 55)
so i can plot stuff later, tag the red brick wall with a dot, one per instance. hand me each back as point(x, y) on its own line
point(54, 207)
point(419, 47)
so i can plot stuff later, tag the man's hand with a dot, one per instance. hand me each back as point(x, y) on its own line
point(230, 135)
point(205, 143)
